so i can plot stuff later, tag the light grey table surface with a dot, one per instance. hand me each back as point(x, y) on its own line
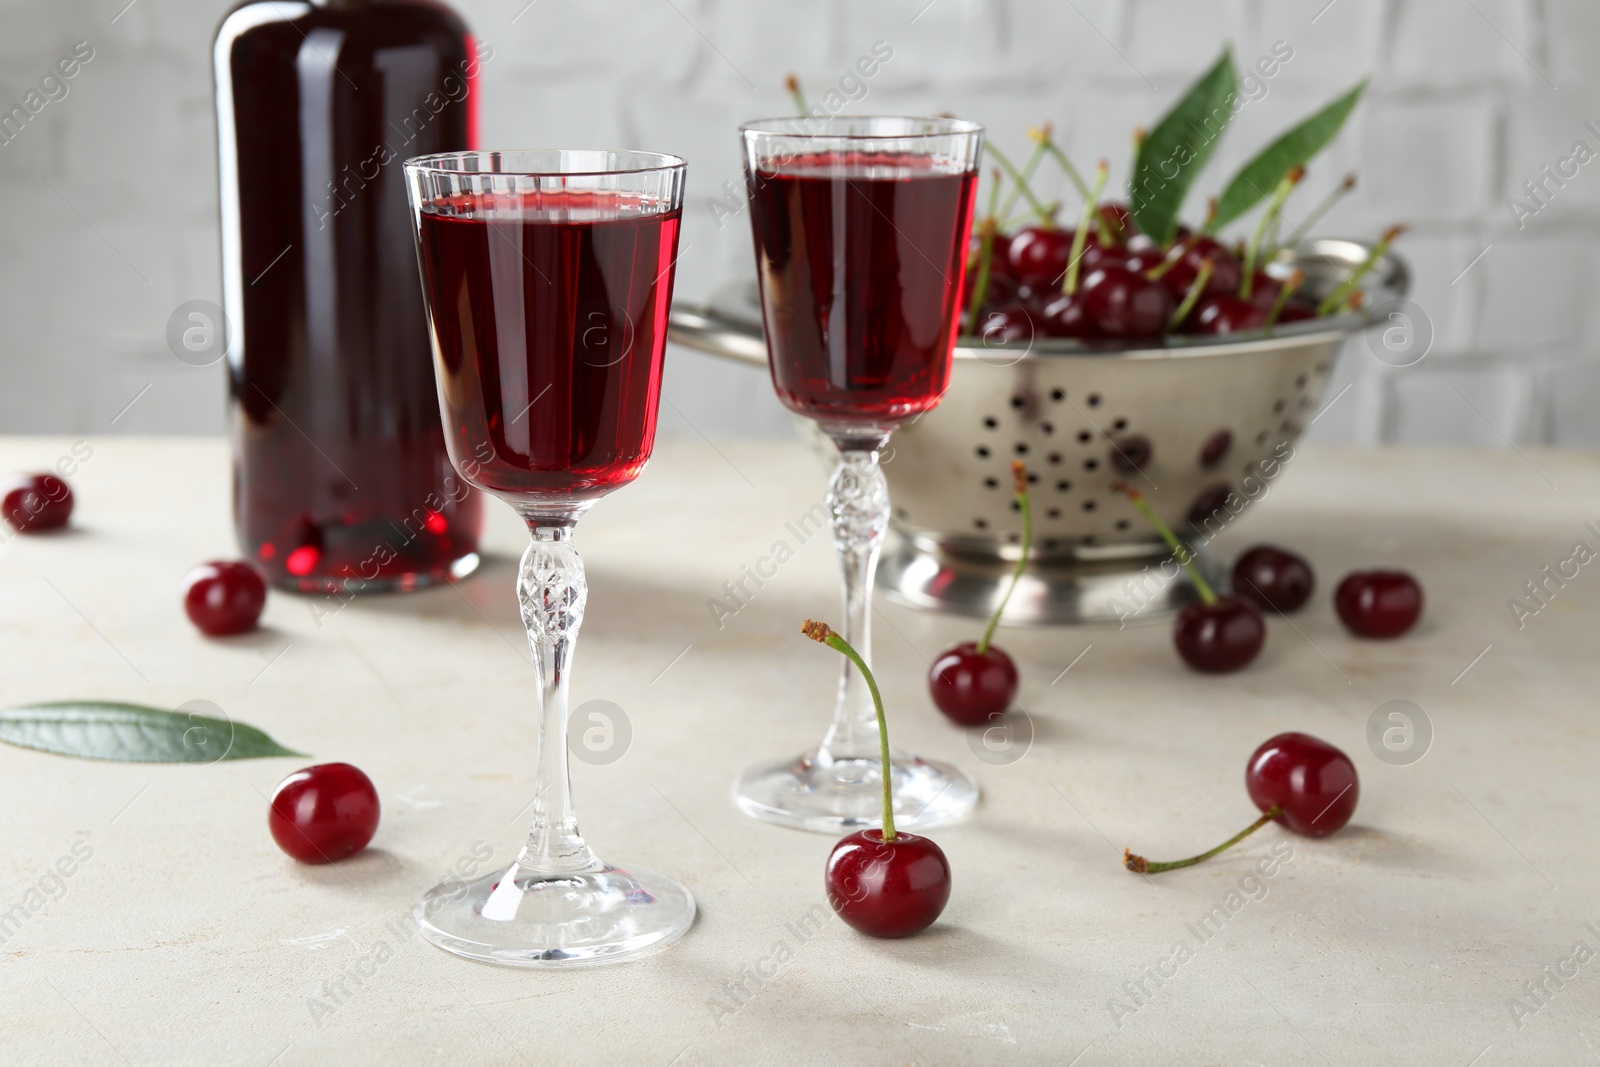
point(183, 936)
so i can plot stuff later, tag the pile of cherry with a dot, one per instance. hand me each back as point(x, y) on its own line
point(1104, 280)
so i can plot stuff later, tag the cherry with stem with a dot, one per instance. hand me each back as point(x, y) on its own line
point(1197, 288)
point(972, 683)
point(882, 882)
point(1347, 291)
point(1274, 207)
point(1220, 633)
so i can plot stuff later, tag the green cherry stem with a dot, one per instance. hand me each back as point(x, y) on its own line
point(986, 232)
point(821, 632)
point(1274, 207)
point(1022, 184)
point(1069, 285)
point(1339, 296)
point(1290, 287)
point(1027, 176)
point(1043, 137)
point(792, 83)
point(1328, 202)
point(1202, 278)
point(1179, 549)
point(1139, 865)
point(1019, 475)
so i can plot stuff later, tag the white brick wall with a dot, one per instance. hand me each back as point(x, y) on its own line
point(108, 203)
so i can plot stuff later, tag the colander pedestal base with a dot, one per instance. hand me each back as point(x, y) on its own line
point(1128, 589)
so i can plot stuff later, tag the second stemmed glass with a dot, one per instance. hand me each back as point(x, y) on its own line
point(861, 228)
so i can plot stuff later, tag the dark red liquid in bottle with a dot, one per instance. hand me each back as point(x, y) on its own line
point(860, 263)
point(340, 469)
point(551, 324)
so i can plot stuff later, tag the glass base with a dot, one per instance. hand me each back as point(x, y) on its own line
point(523, 919)
point(452, 571)
point(838, 796)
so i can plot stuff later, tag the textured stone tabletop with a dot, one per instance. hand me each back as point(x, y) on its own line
point(1455, 921)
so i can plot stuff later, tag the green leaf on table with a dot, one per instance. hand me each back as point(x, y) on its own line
point(133, 733)
point(1257, 178)
point(1177, 148)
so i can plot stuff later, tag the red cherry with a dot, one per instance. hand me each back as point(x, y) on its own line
point(1124, 303)
point(1215, 448)
point(1132, 454)
point(1007, 324)
point(1273, 578)
point(224, 597)
point(1039, 256)
point(1378, 603)
point(1293, 312)
point(998, 262)
point(1219, 637)
point(1119, 220)
point(324, 813)
point(1068, 316)
point(33, 503)
point(1264, 290)
point(1228, 314)
point(1312, 783)
point(887, 888)
point(972, 687)
point(1225, 269)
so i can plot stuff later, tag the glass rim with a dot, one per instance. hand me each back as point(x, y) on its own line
point(952, 127)
point(652, 162)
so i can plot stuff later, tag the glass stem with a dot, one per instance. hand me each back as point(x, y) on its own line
point(552, 591)
point(858, 503)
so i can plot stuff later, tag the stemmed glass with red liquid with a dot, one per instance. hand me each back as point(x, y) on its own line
point(548, 276)
point(861, 228)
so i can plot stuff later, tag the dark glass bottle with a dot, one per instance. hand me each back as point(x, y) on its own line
point(341, 479)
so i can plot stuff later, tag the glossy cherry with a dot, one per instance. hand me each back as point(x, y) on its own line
point(887, 888)
point(1311, 783)
point(224, 597)
point(1038, 256)
point(1228, 314)
point(1225, 268)
point(1009, 324)
point(883, 883)
point(1378, 603)
point(1068, 316)
point(1217, 634)
point(1273, 578)
point(33, 503)
point(1295, 779)
point(1125, 303)
point(974, 682)
point(324, 813)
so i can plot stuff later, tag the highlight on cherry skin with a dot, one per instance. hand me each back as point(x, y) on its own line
point(882, 882)
point(324, 813)
point(224, 597)
point(1299, 781)
point(34, 503)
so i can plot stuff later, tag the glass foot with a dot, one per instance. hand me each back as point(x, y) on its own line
point(523, 919)
point(838, 796)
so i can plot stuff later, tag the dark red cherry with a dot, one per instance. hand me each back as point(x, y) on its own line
point(999, 263)
point(972, 688)
point(324, 813)
point(1009, 324)
point(1273, 578)
point(1228, 314)
point(1219, 637)
point(1225, 269)
point(1002, 289)
point(1132, 454)
point(1378, 603)
point(1313, 783)
point(1068, 316)
point(1216, 448)
point(1264, 290)
point(1124, 303)
point(1212, 499)
point(887, 888)
point(1295, 312)
point(33, 503)
point(1119, 221)
point(224, 597)
point(1039, 256)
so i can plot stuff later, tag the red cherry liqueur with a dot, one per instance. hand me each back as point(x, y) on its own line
point(340, 471)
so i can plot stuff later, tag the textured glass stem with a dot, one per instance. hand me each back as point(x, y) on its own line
point(552, 592)
point(858, 503)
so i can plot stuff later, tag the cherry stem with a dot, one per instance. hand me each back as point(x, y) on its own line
point(1211, 218)
point(1140, 865)
point(1337, 298)
point(1027, 176)
point(1022, 184)
point(1174, 256)
point(986, 232)
point(1042, 137)
point(820, 631)
point(1289, 288)
point(792, 83)
point(1081, 238)
point(1202, 278)
point(1179, 549)
point(1328, 202)
point(1019, 475)
point(1274, 207)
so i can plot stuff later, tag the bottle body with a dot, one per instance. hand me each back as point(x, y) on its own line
point(341, 478)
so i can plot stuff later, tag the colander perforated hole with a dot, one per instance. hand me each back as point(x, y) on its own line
point(1086, 539)
point(1057, 395)
point(1278, 406)
point(1019, 402)
point(1120, 424)
point(1033, 479)
point(1055, 457)
point(1063, 486)
point(1088, 505)
point(1015, 506)
point(1054, 513)
point(1046, 428)
point(1013, 538)
point(1051, 545)
point(1122, 524)
point(902, 513)
point(1094, 400)
point(992, 483)
point(1322, 366)
point(1084, 437)
point(991, 423)
point(1300, 381)
point(982, 524)
point(1022, 448)
point(1261, 438)
point(983, 452)
point(1091, 464)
